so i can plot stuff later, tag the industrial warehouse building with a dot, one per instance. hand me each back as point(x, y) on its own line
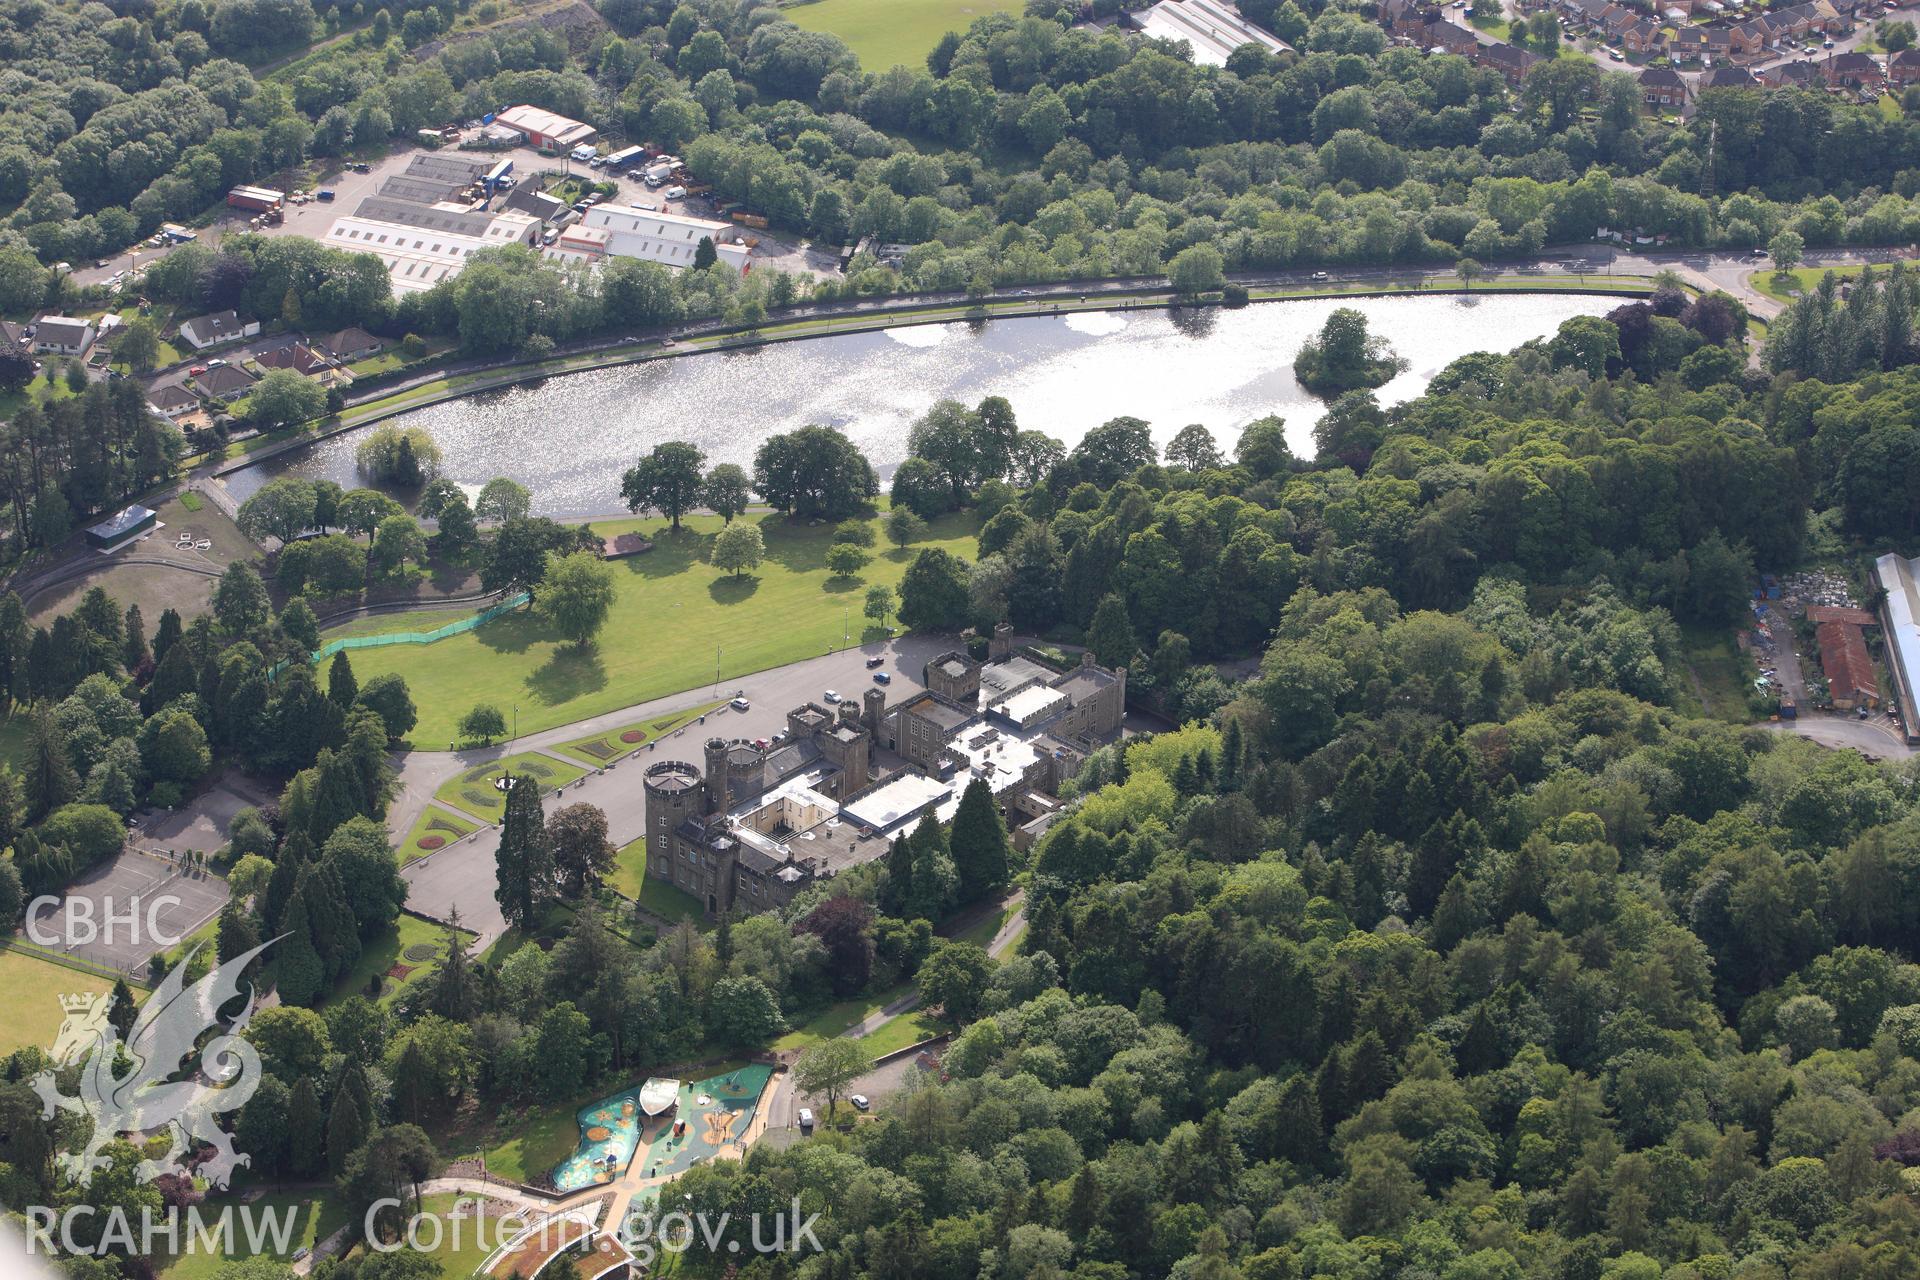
point(543, 128)
point(1211, 28)
point(670, 239)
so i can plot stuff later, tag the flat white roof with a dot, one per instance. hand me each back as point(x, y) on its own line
point(1898, 576)
point(888, 805)
point(1031, 704)
point(1211, 28)
point(418, 257)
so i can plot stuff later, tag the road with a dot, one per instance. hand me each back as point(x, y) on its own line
point(1874, 738)
point(462, 875)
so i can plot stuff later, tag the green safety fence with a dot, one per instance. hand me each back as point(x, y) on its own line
point(485, 616)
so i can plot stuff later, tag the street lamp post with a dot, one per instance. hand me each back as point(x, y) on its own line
point(716, 670)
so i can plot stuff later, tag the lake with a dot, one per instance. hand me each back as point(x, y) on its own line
point(569, 438)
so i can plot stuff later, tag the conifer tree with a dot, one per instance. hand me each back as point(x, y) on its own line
point(978, 842)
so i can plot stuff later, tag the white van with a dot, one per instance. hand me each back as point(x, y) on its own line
point(806, 1120)
point(584, 153)
point(676, 193)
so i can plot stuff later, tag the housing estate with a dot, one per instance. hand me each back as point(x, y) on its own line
point(758, 824)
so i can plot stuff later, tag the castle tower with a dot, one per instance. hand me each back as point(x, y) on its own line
point(716, 788)
point(1001, 646)
point(874, 711)
point(673, 795)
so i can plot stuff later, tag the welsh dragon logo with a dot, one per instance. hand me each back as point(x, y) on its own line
point(164, 1077)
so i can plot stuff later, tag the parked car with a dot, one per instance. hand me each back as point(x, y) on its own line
point(831, 696)
point(740, 704)
point(806, 1120)
point(1321, 277)
point(196, 371)
point(875, 661)
point(676, 193)
point(861, 1102)
point(216, 364)
point(881, 677)
point(324, 195)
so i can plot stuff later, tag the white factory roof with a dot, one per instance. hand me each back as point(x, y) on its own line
point(418, 257)
point(1901, 579)
point(1212, 29)
point(549, 124)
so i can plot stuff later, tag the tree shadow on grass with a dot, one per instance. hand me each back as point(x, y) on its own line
point(515, 632)
point(876, 634)
point(672, 552)
point(571, 672)
point(795, 545)
point(733, 590)
point(840, 583)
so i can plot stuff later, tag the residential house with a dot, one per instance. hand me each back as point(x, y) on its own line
point(225, 382)
point(1643, 36)
point(1903, 68)
point(202, 332)
point(62, 336)
point(1663, 89)
point(1744, 40)
point(1801, 73)
point(1442, 36)
point(1688, 44)
point(1854, 70)
point(296, 355)
point(1728, 77)
point(352, 344)
point(173, 401)
point(1511, 62)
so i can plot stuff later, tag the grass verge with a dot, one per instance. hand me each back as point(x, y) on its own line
point(599, 749)
point(30, 1014)
point(433, 824)
point(474, 792)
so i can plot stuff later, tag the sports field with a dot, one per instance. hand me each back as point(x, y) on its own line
point(670, 611)
point(885, 32)
point(31, 1014)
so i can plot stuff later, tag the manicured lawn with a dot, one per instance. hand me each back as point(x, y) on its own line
point(1800, 280)
point(190, 500)
point(671, 610)
point(474, 791)
point(30, 1013)
point(433, 821)
point(630, 877)
point(907, 1029)
point(319, 1216)
point(598, 749)
point(836, 1018)
point(888, 32)
point(383, 951)
point(386, 624)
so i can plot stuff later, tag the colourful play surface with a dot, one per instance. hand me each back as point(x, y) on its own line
point(716, 1111)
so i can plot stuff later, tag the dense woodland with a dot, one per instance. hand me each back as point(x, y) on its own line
point(1022, 151)
point(1453, 942)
